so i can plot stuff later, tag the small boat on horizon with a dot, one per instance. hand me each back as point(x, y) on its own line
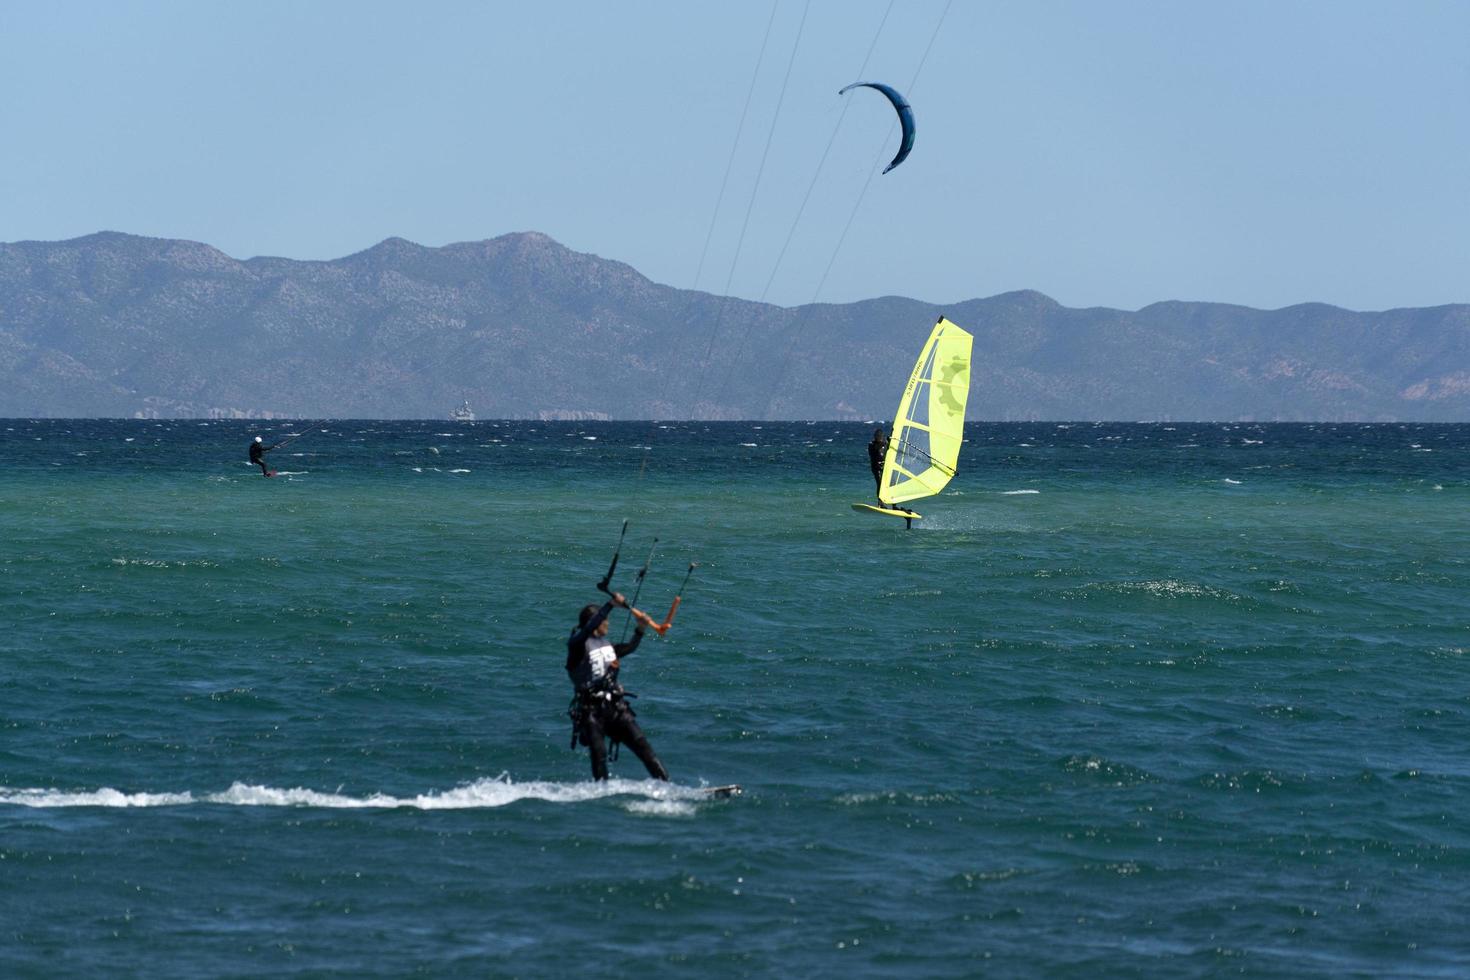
point(462, 414)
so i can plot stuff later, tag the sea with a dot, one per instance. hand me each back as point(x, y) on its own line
point(1167, 699)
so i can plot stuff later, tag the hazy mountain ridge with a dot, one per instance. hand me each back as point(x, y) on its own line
point(520, 326)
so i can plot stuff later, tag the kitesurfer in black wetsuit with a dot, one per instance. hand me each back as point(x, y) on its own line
point(877, 449)
point(258, 449)
point(600, 709)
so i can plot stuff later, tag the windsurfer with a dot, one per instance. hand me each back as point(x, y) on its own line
point(258, 449)
point(599, 709)
point(877, 449)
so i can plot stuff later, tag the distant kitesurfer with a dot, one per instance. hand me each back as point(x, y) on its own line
point(600, 710)
point(257, 450)
point(877, 449)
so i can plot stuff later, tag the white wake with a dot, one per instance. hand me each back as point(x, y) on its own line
point(645, 796)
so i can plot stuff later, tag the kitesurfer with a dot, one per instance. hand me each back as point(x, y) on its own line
point(600, 710)
point(257, 450)
point(877, 449)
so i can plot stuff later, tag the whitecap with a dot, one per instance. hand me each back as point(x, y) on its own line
point(1235, 482)
point(661, 808)
point(1171, 588)
point(1014, 493)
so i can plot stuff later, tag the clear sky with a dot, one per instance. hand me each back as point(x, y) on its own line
point(1263, 152)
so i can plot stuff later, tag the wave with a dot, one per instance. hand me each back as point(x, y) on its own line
point(99, 797)
point(898, 797)
point(1106, 770)
point(648, 796)
point(165, 563)
point(1161, 588)
point(1013, 493)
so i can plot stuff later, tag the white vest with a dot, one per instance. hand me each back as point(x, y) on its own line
point(598, 664)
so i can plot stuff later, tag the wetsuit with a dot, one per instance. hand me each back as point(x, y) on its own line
point(257, 451)
point(601, 710)
point(877, 449)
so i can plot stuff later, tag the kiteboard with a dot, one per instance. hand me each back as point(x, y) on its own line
point(270, 472)
point(732, 790)
point(890, 511)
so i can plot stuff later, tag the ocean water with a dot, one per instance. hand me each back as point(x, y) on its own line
point(1152, 700)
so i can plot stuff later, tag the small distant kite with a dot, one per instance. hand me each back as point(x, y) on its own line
point(905, 117)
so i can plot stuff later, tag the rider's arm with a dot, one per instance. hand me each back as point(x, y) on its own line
point(623, 649)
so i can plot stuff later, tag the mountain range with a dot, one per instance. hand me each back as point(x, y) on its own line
point(522, 327)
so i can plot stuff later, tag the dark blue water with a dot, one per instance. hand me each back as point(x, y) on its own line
point(1183, 700)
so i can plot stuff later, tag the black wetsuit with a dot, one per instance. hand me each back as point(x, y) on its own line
point(877, 449)
point(600, 710)
point(258, 450)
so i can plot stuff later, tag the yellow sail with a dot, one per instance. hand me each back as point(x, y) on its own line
point(924, 447)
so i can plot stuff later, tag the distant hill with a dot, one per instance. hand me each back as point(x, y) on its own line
point(522, 327)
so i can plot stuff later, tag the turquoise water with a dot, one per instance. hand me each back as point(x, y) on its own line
point(1183, 700)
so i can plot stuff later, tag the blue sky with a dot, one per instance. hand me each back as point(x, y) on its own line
point(1107, 154)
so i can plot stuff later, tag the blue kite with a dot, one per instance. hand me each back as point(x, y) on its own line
point(905, 117)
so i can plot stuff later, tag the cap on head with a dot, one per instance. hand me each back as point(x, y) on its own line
point(257, 438)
